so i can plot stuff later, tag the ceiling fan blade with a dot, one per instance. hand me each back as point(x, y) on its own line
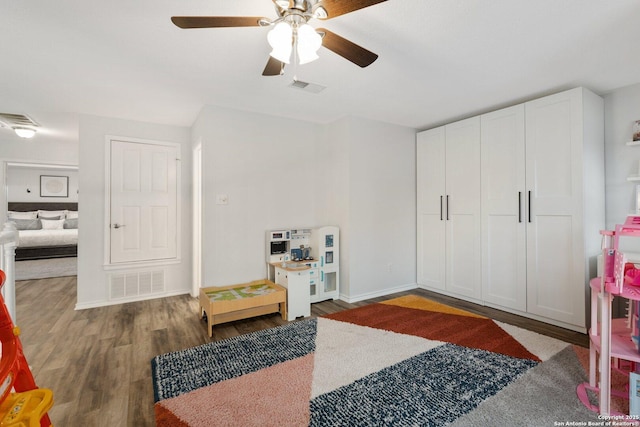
point(273, 67)
point(347, 49)
point(340, 7)
point(215, 21)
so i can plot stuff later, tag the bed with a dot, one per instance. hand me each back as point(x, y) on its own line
point(235, 302)
point(49, 235)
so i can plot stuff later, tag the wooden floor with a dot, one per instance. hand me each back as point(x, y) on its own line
point(97, 361)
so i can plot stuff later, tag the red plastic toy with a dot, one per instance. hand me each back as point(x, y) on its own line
point(27, 406)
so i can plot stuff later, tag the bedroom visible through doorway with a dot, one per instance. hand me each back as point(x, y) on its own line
point(42, 200)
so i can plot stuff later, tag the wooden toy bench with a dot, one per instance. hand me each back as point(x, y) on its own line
point(235, 302)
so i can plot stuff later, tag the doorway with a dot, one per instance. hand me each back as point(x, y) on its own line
point(44, 187)
point(197, 220)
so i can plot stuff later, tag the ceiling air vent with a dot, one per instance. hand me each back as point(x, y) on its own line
point(307, 87)
point(16, 120)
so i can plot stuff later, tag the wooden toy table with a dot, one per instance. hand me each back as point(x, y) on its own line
point(235, 302)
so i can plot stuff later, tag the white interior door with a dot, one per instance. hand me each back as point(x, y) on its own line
point(504, 258)
point(143, 223)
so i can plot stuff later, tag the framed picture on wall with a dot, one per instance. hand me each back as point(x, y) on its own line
point(54, 186)
point(636, 130)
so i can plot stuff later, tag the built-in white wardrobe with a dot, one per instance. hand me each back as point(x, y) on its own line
point(510, 204)
point(449, 208)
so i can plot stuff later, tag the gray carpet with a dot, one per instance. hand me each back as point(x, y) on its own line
point(46, 268)
point(543, 396)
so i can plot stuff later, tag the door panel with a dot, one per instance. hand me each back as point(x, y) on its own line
point(504, 275)
point(462, 253)
point(555, 288)
point(503, 272)
point(131, 238)
point(143, 201)
point(431, 264)
point(551, 151)
point(463, 271)
point(130, 170)
point(159, 172)
point(463, 166)
point(555, 245)
point(430, 153)
point(159, 227)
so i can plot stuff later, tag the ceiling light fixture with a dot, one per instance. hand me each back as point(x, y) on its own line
point(280, 40)
point(294, 35)
point(308, 41)
point(23, 132)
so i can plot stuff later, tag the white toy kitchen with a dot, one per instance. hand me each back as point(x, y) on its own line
point(306, 262)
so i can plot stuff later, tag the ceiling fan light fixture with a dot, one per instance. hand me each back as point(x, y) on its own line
point(23, 132)
point(308, 43)
point(320, 12)
point(282, 4)
point(280, 39)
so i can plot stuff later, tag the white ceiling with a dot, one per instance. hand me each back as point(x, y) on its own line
point(440, 60)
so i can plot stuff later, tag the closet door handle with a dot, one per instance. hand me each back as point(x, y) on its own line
point(447, 207)
point(441, 218)
point(529, 207)
point(519, 206)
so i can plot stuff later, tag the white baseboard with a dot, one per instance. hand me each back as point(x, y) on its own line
point(96, 304)
point(376, 294)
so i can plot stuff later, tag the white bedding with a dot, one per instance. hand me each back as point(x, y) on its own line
point(33, 238)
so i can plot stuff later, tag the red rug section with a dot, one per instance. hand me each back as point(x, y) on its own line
point(165, 417)
point(465, 331)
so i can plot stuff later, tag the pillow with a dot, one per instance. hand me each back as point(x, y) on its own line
point(27, 224)
point(22, 215)
point(49, 214)
point(51, 217)
point(70, 223)
point(71, 214)
point(50, 224)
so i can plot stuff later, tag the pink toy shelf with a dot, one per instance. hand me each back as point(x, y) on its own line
point(615, 340)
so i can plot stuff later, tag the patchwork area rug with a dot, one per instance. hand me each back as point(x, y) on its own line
point(406, 362)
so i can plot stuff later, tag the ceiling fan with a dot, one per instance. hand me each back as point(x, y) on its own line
point(291, 33)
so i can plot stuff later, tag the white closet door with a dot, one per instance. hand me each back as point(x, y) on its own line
point(504, 274)
point(555, 246)
point(462, 206)
point(430, 154)
point(143, 201)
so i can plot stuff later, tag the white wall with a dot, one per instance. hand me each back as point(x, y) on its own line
point(39, 150)
point(334, 190)
point(382, 209)
point(23, 183)
point(36, 150)
point(622, 108)
point(266, 166)
point(276, 172)
point(92, 276)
